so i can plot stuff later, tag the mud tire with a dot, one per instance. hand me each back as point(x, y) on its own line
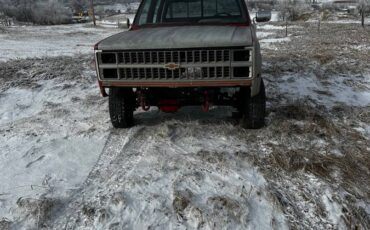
point(253, 108)
point(121, 107)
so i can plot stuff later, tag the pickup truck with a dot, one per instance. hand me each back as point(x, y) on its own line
point(184, 53)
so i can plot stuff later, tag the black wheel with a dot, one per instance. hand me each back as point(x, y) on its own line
point(121, 107)
point(253, 108)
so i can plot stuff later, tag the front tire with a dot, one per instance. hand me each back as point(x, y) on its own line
point(254, 108)
point(121, 107)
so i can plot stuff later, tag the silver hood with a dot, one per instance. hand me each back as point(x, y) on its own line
point(179, 37)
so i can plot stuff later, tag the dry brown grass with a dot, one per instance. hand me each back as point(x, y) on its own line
point(341, 164)
point(39, 210)
point(338, 48)
point(25, 73)
point(5, 224)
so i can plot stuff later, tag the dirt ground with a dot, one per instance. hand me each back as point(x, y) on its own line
point(309, 168)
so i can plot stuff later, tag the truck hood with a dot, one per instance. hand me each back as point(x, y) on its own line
point(178, 37)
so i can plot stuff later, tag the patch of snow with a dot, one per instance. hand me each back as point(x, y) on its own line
point(347, 21)
point(333, 209)
point(210, 187)
point(270, 27)
point(362, 47)
point(273, 40)
point(32, 167)
point(337, 152)
point(261, 34)
point(57, 140)
point(275, 15)
point(47, 143)
point(269, 43)
point(38, 41)
point(274, 27)
point(367, 128)
point(364, 129)
point(107, 23)
point(113, 21)
point(365, 205)
point(21, 103)
point(334, 91)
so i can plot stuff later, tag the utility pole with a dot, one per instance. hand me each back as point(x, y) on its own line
point(92, 11)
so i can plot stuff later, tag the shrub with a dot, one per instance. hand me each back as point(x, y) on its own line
point(44, 12)
point(294, 10)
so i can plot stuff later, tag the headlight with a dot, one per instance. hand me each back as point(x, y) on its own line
point(241, 72)
point(108, 58)
point(241, 55)
point(110, 73)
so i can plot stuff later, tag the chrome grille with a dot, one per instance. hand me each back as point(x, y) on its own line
point(184, 56)
point(149, 73)
point(189, 64)
point(181, 73)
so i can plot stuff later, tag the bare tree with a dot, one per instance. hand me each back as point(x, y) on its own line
point(92, 9)
point(284, 7)
point(79, 5)
point(293, 9)
point(50, 12)
point(364, 6)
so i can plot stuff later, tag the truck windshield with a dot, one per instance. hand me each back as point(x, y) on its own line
point(190, 11)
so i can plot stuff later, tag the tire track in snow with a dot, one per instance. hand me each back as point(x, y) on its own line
point(121, 152)
point(148, 170)
point(114, 146)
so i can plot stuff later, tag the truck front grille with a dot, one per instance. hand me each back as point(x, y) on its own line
point(197, 64)
point(181, 73)
point(184, 56)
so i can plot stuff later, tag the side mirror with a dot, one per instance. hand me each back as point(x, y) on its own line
point(263, 16)
point(124, 24)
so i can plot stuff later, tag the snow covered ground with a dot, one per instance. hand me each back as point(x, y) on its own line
point(274, 15)
point(38, 41)
point(114, 21)
point(64, 167)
